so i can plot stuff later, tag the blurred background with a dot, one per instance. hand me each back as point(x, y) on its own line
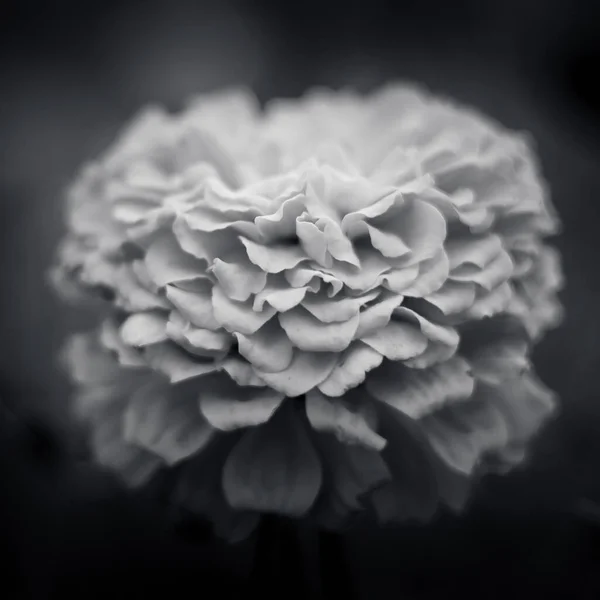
point(73, 72)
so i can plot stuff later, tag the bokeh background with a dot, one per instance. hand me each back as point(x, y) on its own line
point(73, 72)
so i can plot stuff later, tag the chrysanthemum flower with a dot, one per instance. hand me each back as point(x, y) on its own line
point(319, 308)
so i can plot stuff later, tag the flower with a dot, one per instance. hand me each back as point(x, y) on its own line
point(316, 309)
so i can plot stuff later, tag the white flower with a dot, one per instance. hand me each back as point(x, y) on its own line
point(347, 286)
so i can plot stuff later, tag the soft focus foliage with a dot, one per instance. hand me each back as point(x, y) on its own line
point(314, 309)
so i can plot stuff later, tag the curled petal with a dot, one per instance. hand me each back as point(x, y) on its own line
point(306, 371)
point(203, 342)
point(349, 426)
point(308, 333)
point(492, 303)
point(239, 281)
point(273, 258)
point(238, 316)
point(328, 310)
point(242, 372)
point(268, 349)
point(281, 224)
point(397, 340)
point(351, 370)
point(453, 297)
point(111, 339)
point(432, 275)
point(443, 340)
point(378, 315)
point(279, 296)
point(478, 251)
point(196, 306)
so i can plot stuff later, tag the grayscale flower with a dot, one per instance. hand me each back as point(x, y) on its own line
point(317, 308)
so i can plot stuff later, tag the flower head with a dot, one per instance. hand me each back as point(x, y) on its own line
point(333, 299)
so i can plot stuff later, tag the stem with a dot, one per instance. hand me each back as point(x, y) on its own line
point(295, 560)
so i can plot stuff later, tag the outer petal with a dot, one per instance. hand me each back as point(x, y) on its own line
point(417, 392)
point(227, 406)
point(143, 329)
point(165, 424)
point(176, 364)
point(349, 426)
point(274, 468)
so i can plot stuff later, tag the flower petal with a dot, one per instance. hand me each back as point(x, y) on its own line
point(198, 341)
point(274, 468)
point(238, 317)
point(334, 310)
point(349, 426)
point(397, 340)
point(417, 392)
point(111, 340)
point(462, 434)
point(238, 280)
point(165, 424)
point(306, 371)
point(308, 333)
point(167, 263)
point(352, 369)
point(275, 257)
point(177, 365)
point(269, 349)
point(227, 406)
point(378, 315)
point(196, 306)
point(143, 329)
point(351, 472)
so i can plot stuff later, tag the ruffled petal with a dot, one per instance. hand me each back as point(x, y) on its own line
point(334, 310)
point(308, 333)
point(167, 263)
point(348, 425)
point(417, 392)
point(274, 258)
point(195, 306)
point(463, 434)
point(306, 371)
point(268, 349)
point(238, 281)
point(397, 340)
point(378, 315)
point(351, 370)
point(198, 341)
point(227, 406)
point(238, 317)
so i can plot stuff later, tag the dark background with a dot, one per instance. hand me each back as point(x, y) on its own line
point(72, 72)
